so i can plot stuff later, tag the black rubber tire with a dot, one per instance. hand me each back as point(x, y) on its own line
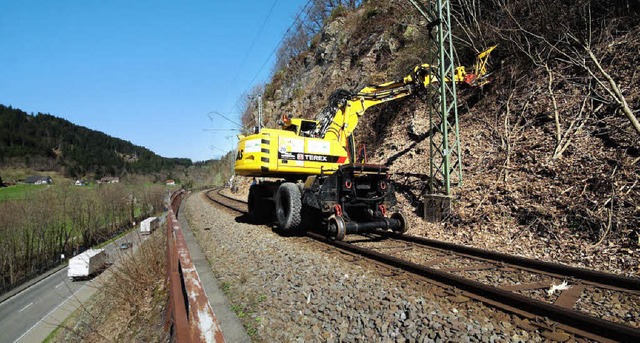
point(252, 204)
point(336, 228)
point(288, 207)
point(258, 211)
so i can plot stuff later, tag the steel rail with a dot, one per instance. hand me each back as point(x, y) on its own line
point(600, 327)
point(597, 277)
point(618, 282)
point(580, 323)
point(227, 205)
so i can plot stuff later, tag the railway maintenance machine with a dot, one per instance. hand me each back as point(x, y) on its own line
point(318, 181)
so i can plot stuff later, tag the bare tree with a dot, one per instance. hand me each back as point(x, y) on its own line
point(555, 50)
point(593, 65)
point(512, 129)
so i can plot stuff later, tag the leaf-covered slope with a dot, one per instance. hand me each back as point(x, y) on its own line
point(45, 142)
point(550, 157)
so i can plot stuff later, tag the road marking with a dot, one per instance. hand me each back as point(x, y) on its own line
point(57, 307)
point(47, 315)
point(60, 284)
point(24, 308)
point(32, 285)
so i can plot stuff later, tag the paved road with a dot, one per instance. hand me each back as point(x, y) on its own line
point(32, 314)
point(21, 312)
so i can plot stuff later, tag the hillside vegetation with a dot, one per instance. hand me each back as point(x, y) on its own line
point(550, 149)
point(35, 232)
point(44, 142)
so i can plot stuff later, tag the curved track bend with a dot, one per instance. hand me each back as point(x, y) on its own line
point(595, 305)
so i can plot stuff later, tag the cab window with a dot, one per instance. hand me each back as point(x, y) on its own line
point(292, 128)
point(306, 128)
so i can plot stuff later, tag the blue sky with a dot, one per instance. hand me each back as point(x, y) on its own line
point(144, 71)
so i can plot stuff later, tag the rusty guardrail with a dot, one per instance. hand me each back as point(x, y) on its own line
point(190, 318)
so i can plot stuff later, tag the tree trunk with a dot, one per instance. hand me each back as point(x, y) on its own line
point(617, 93)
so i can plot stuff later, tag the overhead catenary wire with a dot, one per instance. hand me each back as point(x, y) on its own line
point(223, 117)
point(255, 39)
point(303, 10)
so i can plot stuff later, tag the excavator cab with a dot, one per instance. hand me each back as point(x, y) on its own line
point(301, 127)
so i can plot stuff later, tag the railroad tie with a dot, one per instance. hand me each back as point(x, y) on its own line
point(569, 297)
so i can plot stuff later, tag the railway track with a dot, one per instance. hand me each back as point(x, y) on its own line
point(588, 303)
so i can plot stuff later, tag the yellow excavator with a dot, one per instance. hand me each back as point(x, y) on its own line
point(319, 182)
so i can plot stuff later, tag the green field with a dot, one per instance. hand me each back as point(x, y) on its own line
point(20, 191)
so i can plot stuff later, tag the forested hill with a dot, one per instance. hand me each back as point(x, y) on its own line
point(46, 142)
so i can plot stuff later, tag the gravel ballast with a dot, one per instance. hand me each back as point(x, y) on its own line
point(293, 289)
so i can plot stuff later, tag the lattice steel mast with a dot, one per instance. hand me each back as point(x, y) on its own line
point(445, 163)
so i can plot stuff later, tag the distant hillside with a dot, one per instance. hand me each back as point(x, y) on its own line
point(45, 142)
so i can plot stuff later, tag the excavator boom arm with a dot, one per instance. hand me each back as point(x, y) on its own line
point(338, 120)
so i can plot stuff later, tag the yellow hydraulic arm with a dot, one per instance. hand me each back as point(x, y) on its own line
point(340, 118)
point(312, 147)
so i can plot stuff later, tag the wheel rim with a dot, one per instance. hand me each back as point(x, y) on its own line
point(336, 228)
point(403, 223)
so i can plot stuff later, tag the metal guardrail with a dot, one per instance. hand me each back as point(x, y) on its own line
point(190, 318)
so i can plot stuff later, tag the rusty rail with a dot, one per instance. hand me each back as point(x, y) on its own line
point(189, 316)
point(565, 318)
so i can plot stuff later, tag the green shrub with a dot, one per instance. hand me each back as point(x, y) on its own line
point(338, 12)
